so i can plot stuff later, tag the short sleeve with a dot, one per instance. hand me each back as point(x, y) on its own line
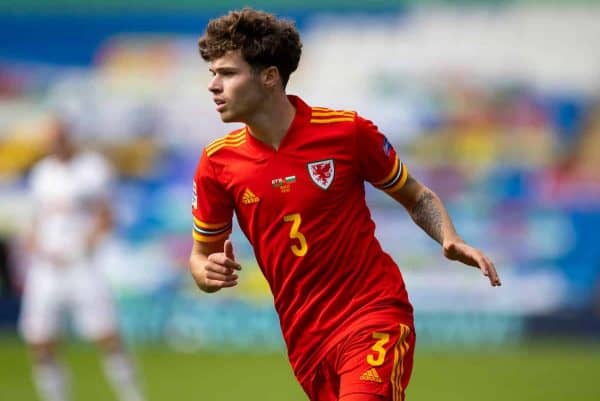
point(212, 208)
point(34, 184)
point(377, 159)
point(99, 176)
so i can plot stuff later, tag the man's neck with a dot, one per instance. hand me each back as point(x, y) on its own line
point(272, 122)
point(65, 156)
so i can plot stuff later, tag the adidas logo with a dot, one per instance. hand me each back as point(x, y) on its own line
point(371, 375)
point(249, 197)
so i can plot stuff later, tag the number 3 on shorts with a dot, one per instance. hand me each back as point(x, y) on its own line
point(379, 357)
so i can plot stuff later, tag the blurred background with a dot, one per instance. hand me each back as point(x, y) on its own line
point(493, 104)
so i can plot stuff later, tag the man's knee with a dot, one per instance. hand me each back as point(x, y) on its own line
point(110, 343)
point(42, 352)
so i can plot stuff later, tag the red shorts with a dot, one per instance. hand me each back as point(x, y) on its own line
point(376, 361)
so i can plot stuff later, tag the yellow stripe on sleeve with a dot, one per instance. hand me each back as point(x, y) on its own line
point(207, 226)
point(232, 144)
point(330, 113)
point(390, 175)
point(400, 182)
point(332, 120)
point(226, 138)
point(210, 238)
point(328, 109)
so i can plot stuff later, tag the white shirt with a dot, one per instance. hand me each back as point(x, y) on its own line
point(65, 195)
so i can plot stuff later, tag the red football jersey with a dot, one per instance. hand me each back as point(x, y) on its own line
point(303, 209)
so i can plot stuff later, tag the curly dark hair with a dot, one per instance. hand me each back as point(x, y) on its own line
point(263, 39)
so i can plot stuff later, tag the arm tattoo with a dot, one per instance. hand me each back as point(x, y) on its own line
point(426, 213)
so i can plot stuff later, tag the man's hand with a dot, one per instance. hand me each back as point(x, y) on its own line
point(103, 224)
point(217, 270)
point(473, 257)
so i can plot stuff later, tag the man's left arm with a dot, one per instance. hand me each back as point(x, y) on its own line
point(428, 212)
point(102, 224)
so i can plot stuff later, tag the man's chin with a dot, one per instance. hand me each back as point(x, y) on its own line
point(228, 118)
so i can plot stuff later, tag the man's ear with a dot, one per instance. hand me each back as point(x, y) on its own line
point(270, 76)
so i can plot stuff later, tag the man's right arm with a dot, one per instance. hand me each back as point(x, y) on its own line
point(213, 265)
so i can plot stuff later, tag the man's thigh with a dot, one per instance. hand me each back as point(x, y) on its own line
point(92, 305)
point(42, 304)
point(376, 364)
point(362, 397)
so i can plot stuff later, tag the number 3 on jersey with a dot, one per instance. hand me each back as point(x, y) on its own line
point(295, 219)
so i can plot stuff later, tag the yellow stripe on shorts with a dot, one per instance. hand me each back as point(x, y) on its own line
point(400, 350)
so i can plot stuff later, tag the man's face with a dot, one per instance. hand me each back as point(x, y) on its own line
point(237, 89)
point(60, 142)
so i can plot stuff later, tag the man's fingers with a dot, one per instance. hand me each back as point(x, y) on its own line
point(220, 284)
point(489, 270)
point(483, 266)
point(221, 277)
point(218, 276)
point(219, 268)
point(224, 260)
point(492, 274)
point(228, 249)
point(475, 258)
point(494, 278)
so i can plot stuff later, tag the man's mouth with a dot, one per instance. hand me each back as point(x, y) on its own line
point(220, 104)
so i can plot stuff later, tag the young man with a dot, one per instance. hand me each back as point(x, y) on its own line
point(295, 177)
point(70, 191)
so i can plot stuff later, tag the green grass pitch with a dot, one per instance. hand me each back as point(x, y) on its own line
point(544, 372)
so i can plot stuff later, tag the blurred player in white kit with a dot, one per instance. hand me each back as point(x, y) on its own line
point(71, 191)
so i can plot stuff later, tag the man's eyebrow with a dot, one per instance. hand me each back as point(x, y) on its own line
point(225, 68)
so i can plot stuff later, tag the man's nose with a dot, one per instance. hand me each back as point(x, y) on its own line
point(214, 86)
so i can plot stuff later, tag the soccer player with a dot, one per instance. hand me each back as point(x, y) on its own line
point(294, 175)
point(72, 215)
